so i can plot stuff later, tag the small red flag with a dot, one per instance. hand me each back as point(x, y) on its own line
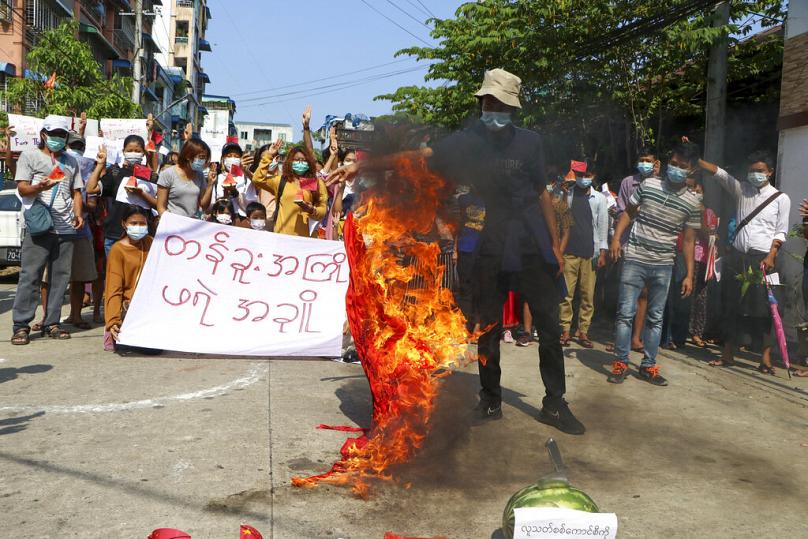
point(248, 532)
point(144, 173)
point(236, 171)
point(51, 82)
point(157, 137)
point(232, 140)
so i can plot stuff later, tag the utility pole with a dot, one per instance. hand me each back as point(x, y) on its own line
point(716, 106)
point(136, 68)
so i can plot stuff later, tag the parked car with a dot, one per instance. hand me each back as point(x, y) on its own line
point(11, 228)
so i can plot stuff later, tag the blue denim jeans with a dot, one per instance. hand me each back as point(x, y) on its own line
point(634, 277)
point(108, 243)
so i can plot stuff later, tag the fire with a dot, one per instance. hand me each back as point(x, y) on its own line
point(407, 328)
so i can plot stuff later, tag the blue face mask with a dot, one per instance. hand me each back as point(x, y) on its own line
point(583, 183)
point(645, 168)
point(300, 167)
point(56, 144)
point(496, 120)
point(198, 165)
point(137, 232)
point(676, 175)
point(758, 179)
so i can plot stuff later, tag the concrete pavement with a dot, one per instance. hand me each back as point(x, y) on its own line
point(96, 445)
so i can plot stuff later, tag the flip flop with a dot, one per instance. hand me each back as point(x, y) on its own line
point(799, 373)
point(721, 363)
point(765, 370)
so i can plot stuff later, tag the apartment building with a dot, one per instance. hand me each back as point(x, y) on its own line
point(253, 135)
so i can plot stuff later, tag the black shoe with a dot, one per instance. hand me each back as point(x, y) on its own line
point(560, 416)
point(523, 339)
point(652, 376)
point(488, 410)
point(619, 372)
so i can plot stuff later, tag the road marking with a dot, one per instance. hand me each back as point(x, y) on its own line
point(255, 374)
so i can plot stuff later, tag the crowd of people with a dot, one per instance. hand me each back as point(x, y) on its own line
point(534, 243)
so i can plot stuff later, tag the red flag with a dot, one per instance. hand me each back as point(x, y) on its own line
point(232, 140)
point(236, 171)
point(248, 532)
point(144, 173)
point(151, 146)
point(157, 137)
point(50, 84)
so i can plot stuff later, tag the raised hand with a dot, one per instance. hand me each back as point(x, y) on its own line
point(187, 132)
point(274, 149)
point(342, 174)
point(150, 123)
point(804, 207)
point(306, 116)
point(101, 156)
point(82, 123)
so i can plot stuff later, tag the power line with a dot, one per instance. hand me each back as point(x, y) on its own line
point(427, 9)
point(394, 22)
point(407, 13)
point(345, 85)
point(253, 92)
point(419, 8)
point(336, 84)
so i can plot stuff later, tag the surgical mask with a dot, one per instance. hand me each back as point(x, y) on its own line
point(258, 224)
point(137, 232)
point(645, 168)
point(133, 158)
point(496, 121)
point(348, 162)
point(757, 179)
point(230, 161)
point(676, 175)
point(224, 219)
point(198, 165)
point(583, 183)
point(56, 144)
point(300, 167)
point(73, 153)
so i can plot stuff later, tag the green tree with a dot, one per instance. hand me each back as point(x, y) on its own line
point(80, 84)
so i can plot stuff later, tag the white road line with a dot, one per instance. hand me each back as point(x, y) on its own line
point(255, 374)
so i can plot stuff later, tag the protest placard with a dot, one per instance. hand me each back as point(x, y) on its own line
point(130, 198)
point(214, 132)
point(117, 129)
point(557, 523)
point(27, 128)
point(216, 289)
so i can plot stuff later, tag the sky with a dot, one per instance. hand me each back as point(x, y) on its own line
point(265, 48)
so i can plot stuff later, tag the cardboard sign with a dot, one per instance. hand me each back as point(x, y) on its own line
point(555, 523)
point(218, 289)
point(27, 129)
point(116, 130)
point(92, 146)
point(130, 198)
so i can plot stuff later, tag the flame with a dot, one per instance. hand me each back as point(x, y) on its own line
point(407, 327)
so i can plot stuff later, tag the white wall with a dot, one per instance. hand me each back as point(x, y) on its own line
point(797, 18)
point(161, 32)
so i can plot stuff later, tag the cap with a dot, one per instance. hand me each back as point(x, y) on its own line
point(503, 86)
point(73, 137)
point(54, 123)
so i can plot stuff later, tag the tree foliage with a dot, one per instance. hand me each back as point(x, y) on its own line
point(80, 84)
point(593, 70)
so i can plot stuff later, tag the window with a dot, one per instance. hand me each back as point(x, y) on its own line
point(39, 16)
point(243, 135)
point(181, 33)
point(282, 136)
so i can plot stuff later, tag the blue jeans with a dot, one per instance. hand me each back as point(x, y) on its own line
point(634, 277)
point(108, 243)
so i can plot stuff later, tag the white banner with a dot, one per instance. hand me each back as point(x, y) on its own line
point(558, 523)
point(216, 289)
point(26, 130)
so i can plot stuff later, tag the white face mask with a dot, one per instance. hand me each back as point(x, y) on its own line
point(133, 158)
point(496, 121)
point(230, 161)
point(224, 219)
point(258, 224)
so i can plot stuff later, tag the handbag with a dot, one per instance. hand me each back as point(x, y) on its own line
point(38, 219)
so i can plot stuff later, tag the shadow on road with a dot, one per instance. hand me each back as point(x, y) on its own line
point(14, 425)
point(8, 374)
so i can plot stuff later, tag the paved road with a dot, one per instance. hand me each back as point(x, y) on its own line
point(95, 445)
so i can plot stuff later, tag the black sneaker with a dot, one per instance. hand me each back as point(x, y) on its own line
point(488, 410)
point(652, 376)
point(560, 416)
point(523, 339)
point(619, 372)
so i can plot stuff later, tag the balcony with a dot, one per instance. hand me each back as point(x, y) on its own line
point(185, 3)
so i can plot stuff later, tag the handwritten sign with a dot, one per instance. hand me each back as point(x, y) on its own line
point(556, 523)
point(216, 289)
point(27, 129)
point(91, 149)
point(116, 130)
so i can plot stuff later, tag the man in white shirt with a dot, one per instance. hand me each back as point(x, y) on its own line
point(762, 214)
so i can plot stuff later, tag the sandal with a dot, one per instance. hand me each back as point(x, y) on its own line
point(565, 339)
point(640, 349)
point(610, 348)
point(37, 327)
point(583, 340)
point(698, 341)
point(765, 370)
point(81, 324)
point(21, 337)
point(721, 363)
point(56, 332)
point(800, 373)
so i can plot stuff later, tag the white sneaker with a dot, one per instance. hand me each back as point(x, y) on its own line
point(506, 336)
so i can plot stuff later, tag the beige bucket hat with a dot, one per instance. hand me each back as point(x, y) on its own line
point(503, 86)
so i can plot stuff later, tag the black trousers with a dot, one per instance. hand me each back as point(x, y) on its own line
point(536, 283)
point(467, 293)
point(747, 312)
